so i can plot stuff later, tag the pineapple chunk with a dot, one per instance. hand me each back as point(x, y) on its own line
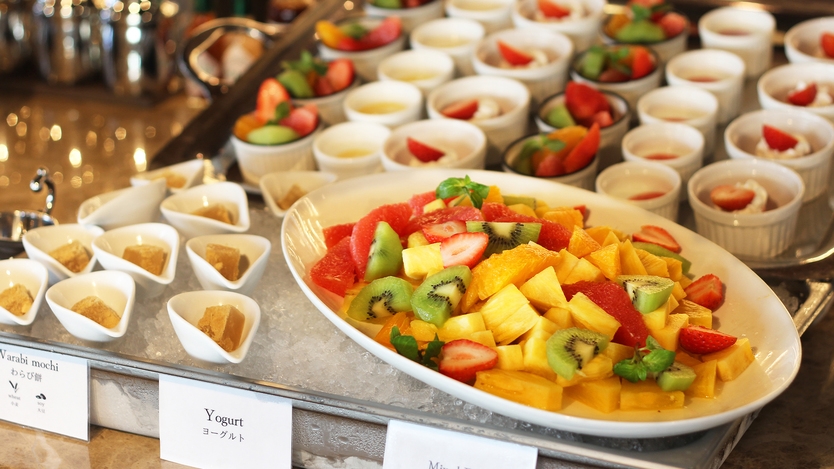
point(544, 290)
point(423, 331)
point(600, 394)
point(510, 357)
point(611, 239)
point(416, 239)
point(421, 261)
point(523, 209)
point(561, 317)
point(618, 352)
point(684, 281)
point(704, 384)
point(460, 327)
point(543, 328)
point(483, 338)
point(508, 314)
point(586, 271)
point(599, 367)
point(435, 204)
point(534, 352)
point(678, 292)
point(732, 361)
point(675, 268)
point(587, 314)
point(698, 315)
point(656, 319)
point(566, 265)
point(647, 395)
point(565, 216)
point(630, 261)
point(607, 260)
point(581, 243)
point(667, 337)
point(524, 388)
point(654, 265)
point(687, 359)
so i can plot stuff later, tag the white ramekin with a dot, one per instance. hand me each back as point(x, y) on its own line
point(630, 178)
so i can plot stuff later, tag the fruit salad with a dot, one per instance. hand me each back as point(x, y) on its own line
point(583, 105)
point(616, 64)
point(558, 153)
point(355, 37)
point(524, 301)
point(311, 77)
point(780, 145)
point(810, 95)
point(275, 120)
point(646, 22)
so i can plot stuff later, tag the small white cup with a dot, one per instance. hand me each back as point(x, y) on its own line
point(667, 138)
point(543, 80)
point(351, 149)
point(410, 17)
point(583, 178)
point(773, 87)
point(455, 37)
point(460, 138)
point(255, 249)
point(583, 31)
point(631, 90)
point(714, 70)
point(632, 181)
point(745, 32)
point(257, 160)
point(365, 62)
point(684, 104)
point(34, 277)
point(424, 68)
point(39, 242)
point(802, 41)
point(179, 209)
point(330, 107)
point(390, 103)
point(494, 15)
point(665, 50)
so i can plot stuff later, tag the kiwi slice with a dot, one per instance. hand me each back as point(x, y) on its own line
point(570, 349)
point(382, 297)
point(593, 63)
point(643, 31)
point(438, 296)
point(272, 135)
point(296, 83)
point(647, 292)
point(652, 248)
point(505, 235)
point(560, 117)
point(386, 255)
point(678, 377)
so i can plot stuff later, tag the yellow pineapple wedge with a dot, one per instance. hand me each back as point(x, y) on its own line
point(667, 336)
point(581, 243)
point(588, 315)
point(607, 260)
point(566, 264)
point(698, 315)
point(483, 337)
point(732, 361)
point(629, 260)
point(654, 265)
point(599, 367)
point(656, 320)
point(647, 395)
point(611, 239)
point(543, 328)
point(684, 281)
point(600, 394)
point(678, 292)
point(416, 239)
point(618, 352)
point(544, 290)
point(508, 314)
point(561, 317)
point(534, 351)
point(460, 327)
point(684, 357)
point(675, 268)
point(586, 271)
point(523, 209)
point(510, 357)
point(565, 216)
point(704, 384)
point(522, 387)
point(435, 204)
point(421, 261)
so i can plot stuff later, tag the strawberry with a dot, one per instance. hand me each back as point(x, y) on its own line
point(672, 24)
point(512, 55)
point(323, 87)
point(602, 118)
point(646, 195)
point(700, 340)
point(584, 151)
point(656, 235)
point(463, 248)
point(642, 62)
point(437, 232)
point(303, 120)
point(612, 75)
point(463, 110)
point(460, 359)
point(270, 95)
point(340, 73)
point(423, 152)
point(777, 139)
point(584, 101)
point(388, 30)
point(804, 96)
point(707, 291)
point(827, 43)
point(552, 10)
point(550, 166)
point(731, 198)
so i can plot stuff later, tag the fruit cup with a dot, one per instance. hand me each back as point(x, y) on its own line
point(714, 70)
point(679, 146)
point(382, 37)
point(310, 80)
point(745, 32)
point(412, 13)
point(663, 30)
point(601, 67)
point(684, 104)
point(746, 133)
point(455, 37)
point(777, 85)
point(748, 235)
point(493, 15)
point(390, 103)
point(424, 68)
point(646, 184)
point(351, 149)
point(581, 27)
point(811, 41)
point(435, 143)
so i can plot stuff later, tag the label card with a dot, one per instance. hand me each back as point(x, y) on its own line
point(410, 446)
point(210, 426)
point(45, 390)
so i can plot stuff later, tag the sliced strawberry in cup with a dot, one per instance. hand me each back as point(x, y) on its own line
point(731, 198)
point(463, 110)
point(584, 101)
point(672, 24)
point(777, 139)
point(515, 57)
point(270, 95)
point(584, 151)
point(422, 151)
point(827, 43)
point(642, 62)
point(804, 96)
point(340, 73)
point(303, 120)
point(553, 10)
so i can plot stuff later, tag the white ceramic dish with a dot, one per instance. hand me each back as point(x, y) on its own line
point(390, 103)
point(110, 247)
point(274, 186)
point(665, 49)
point(424, 68)
point(751, 309)
point(583, 31)
point(493, 15)
point(185, 311)
point(455, 37)
point(255, 249)
point(628, 179)
point(802, 41)
point(256, 160)
point(128, 206)
point(39, 242)
point(685, 104)
point(178, 209)
point(746, 32)
point(715, 70)
point(116, 289)
point(775, 84)
point(631, 90)
point(192, 171)
point(410, 17)
point(32, 275)
point(451, 136)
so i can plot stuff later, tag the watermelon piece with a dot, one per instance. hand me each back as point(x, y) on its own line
point(615, 301)
point(334, 234)
point(418, 201)
point(396, 215)
point(335, 271)
point(449, 214)
point(552, 236)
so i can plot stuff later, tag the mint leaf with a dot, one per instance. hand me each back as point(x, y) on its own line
point(405, 345)
point(658, 358)
point(640, 13)
point(432, 352)
point(454, 187)
point(305, 64)
point(638, 367)
point(281, 111)
point(554, 145)
point(354, 30)
point(631, 369)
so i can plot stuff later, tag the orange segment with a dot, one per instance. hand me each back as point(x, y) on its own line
point(329, 33)
point(402, 321)
point(570, 136)
point(245, 124)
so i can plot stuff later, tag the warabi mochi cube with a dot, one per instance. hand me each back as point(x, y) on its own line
point(732, 361)
point(654, 265)
point(675, 268)
point(510, 357)
point(534, 352)
point(565, 266)
point(600, 394)
point(565, 216)
point(588, 315)
point(704, 384)
point(667, 337)
point(523, 209)
point(543, 328)
point(226, 259)
point(581, 243)
point(607, 260)
point(522, 387)
point(435, 204)
point(698, 315)
point(421, 261)
point(586, 271)
point(678, 292)
point(629, 260)
point(656, 319)
point(599, 367)
point(416, 239)
point(459, 327)
point(618, 352)
point(647, 395)
point(560, 316)
point(544, 291)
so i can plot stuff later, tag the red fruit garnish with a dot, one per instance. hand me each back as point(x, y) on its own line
point(552, 165)
point(656, 235)
point(827, 43)
point(777, 139)
point(612, 75)
point(584, 101)
point(386, 32)
point(661, 156)
point(437, 232)
point(583, 209)
point(463, 248)
point(303, 120)
point(423, 152)
point(700, 340)
point(646, 195)
point(334, 234)
point(642, 62)
point(335, 271)
point(460, 359)
point(418, 201)
point(584, 151)
point(804, 96)
point(672, 24)
point(707, 291)
point(512, 55)
point(463, 110)
point(731, 198)
point(322, 87)
point(396, 215)
point(340, 74)
point(552, 10)
point(615, 301)
point(448, 214)
point(270, 95)
point(602, 118)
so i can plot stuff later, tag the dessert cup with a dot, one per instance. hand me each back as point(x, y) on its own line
point(390, 103)
point(257, 160)
point(630, 90)
point(331, 107)
point(714, 70)
point(685, 104)
point(128, 206)
point(189, 173)
point(493, 15)
point(582, 31)
point(40, 241)
point(583, 178)
point(34, 277)
point(802, 41)
point(424, 68)
point(745, 32)
point(365, 62)
point(410, 17)
point(179, 209)
point(254, 253)
point(455, 37)
point(464, 140)
point(634, 181)
point(773, 87)
point(666, 138)
point(351, 149)
point(665, 50)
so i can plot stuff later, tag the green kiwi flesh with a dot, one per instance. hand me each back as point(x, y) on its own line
point(386, 254)
point(505, 235)
point(382, 297)
point(570, 349)
point(678, 377)
point(438, 296)
point(647, 292)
